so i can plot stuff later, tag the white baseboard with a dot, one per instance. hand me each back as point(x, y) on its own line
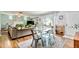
point(68, 36)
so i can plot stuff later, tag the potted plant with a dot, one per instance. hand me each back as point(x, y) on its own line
point(28, 26)
point(19, 26)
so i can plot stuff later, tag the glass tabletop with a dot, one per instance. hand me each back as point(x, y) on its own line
point(46, 34)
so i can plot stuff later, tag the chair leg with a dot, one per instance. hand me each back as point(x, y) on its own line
point(36, 41)
point(32, 42)
point(42, 42)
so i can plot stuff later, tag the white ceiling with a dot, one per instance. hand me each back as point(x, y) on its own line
point(31, 13)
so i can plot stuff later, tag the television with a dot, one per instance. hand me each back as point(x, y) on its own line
point(30, 22)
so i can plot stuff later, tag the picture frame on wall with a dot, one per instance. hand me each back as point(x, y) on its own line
point(61, 17)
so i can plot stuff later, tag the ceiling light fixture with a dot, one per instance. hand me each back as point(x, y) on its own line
point(19, 14)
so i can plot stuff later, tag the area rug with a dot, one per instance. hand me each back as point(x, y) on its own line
point(59, 43)
point(25, 44)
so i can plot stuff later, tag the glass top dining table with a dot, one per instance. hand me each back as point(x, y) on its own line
point(46, 34)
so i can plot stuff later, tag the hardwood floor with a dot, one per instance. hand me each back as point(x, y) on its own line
point(14, 43)
point(5, 42)
point(69, 44)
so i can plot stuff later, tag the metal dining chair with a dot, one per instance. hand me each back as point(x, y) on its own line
point(36, 38)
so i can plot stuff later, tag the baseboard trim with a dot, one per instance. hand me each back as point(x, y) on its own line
point(70, 37)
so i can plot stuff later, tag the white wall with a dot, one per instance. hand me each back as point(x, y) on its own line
point(57, 20)
point(71, 19)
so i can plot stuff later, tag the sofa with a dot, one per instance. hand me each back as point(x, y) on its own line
point(14, 33)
